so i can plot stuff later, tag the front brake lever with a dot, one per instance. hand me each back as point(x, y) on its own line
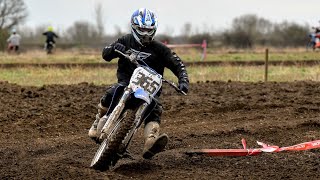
point(132, 57)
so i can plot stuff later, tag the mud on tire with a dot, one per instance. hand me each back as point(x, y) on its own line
point(111, 148)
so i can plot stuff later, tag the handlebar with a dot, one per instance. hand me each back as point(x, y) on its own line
point(132, 58)
point(125, 55)
point(174, 86)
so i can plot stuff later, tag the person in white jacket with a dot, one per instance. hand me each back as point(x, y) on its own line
point(14, 41)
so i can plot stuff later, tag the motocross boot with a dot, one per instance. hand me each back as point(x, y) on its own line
point(93, 133)
point(153, 142)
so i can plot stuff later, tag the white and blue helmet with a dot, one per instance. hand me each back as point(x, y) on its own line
point(144, 25)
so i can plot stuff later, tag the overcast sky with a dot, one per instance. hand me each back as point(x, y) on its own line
point(172, 14)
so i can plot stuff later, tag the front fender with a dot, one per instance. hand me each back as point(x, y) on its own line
point(142, 94)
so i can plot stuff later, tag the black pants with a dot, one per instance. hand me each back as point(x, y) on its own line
point(113, 94)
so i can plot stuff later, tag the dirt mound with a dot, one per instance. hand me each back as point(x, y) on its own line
point(44, 132)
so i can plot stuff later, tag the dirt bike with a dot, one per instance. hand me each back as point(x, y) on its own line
point(137, 99)
point(49, 46)
point(314, 41)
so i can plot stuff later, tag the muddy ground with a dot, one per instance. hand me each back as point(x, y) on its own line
point(44, 132)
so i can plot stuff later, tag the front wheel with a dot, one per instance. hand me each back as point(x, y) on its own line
point(49, 49)
point(112, 148)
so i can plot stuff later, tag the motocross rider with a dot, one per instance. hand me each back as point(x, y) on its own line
point(316, 29)
point(14, 41)
point(157, 56)
point(50, 35)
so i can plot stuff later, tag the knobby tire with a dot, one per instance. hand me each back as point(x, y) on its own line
point(114, 148)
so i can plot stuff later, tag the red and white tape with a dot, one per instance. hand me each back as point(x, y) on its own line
point(252, 152)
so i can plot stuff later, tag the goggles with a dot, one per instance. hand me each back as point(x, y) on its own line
point(144, 31)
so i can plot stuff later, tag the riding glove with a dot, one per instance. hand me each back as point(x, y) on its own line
point(184, 86)
point(120, 47)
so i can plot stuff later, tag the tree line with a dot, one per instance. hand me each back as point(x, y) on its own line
point(246, 31)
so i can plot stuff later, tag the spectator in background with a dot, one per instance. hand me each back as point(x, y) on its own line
point(50, 37)
point(14, 41)
point(316, 29)
point(315, 38)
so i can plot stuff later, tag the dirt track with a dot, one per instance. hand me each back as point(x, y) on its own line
point(44, 132)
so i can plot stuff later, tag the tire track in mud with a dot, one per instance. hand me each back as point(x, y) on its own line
point(43, 132)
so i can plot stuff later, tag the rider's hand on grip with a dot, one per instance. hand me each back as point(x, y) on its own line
point(184, 86)
point(120, 47)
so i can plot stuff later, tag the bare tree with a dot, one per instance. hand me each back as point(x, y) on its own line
point(118, 30)
point(12, 12)
point(248, 30)
point(168, 30)
point(186, 30)
point(99, 19)
point(82, 33)
point(289, 34)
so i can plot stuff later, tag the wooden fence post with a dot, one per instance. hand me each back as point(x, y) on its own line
point(266, 66)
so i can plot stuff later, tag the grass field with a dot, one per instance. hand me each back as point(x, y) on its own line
point(37, 76)
point(40, 76)
point(187, 55)
point(59, 57)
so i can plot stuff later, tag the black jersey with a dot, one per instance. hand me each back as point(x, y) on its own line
point(50, 36)
point(156, 55)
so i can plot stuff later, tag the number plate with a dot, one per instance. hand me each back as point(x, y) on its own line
point(146, 79)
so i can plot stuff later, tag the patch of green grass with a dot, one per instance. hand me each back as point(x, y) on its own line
point(275, 54)
point(39, 76)
point(36, 76)
point(59, 57)
point(189, 55)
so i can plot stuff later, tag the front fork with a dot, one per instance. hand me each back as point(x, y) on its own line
point(115, 114)
point(137, 123)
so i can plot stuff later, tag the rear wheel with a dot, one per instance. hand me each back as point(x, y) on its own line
point(112, 147)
